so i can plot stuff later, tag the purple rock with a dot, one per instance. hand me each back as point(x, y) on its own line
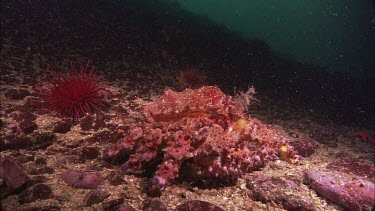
point(12, 173)
point(89, 180)
point(71, 176)
point(79, 179)
point(349, 191)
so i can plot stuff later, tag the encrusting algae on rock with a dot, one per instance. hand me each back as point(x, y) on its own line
point(199, 134)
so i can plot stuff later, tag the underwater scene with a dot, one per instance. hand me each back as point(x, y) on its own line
point(187, 105)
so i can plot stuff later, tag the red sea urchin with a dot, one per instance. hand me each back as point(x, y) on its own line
point(191, 78)
point(74, 93)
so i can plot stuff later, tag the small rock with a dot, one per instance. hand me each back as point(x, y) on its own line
point(194, 205)
point(28, 126)
point(90, 153)
point(62, 127)
point(79, 179)
point(35, 192)
point(99, 122)
point(284, 190)
point(115, 179)
point(12, 173)
point(16, 94)
point(153, 205)
point(40, 161)
point(104, 137)
point(95, 197)
point(15, 142)
point(41, 170)
point(87, 123)
point(25, 116)
point(24, 93)
point(304, 147)
point(42, 140)
point(112, 204)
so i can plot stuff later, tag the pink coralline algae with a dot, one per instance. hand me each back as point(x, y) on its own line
point(198, 133)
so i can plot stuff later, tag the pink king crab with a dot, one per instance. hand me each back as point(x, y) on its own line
point(198, 133)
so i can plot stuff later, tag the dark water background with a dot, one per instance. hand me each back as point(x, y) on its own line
point(336, 34)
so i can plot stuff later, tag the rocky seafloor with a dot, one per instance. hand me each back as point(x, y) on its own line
point(336, 171)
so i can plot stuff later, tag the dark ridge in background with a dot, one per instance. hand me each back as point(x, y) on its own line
point(106, 31)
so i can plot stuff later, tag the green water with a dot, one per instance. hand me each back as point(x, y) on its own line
point(336, 34)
